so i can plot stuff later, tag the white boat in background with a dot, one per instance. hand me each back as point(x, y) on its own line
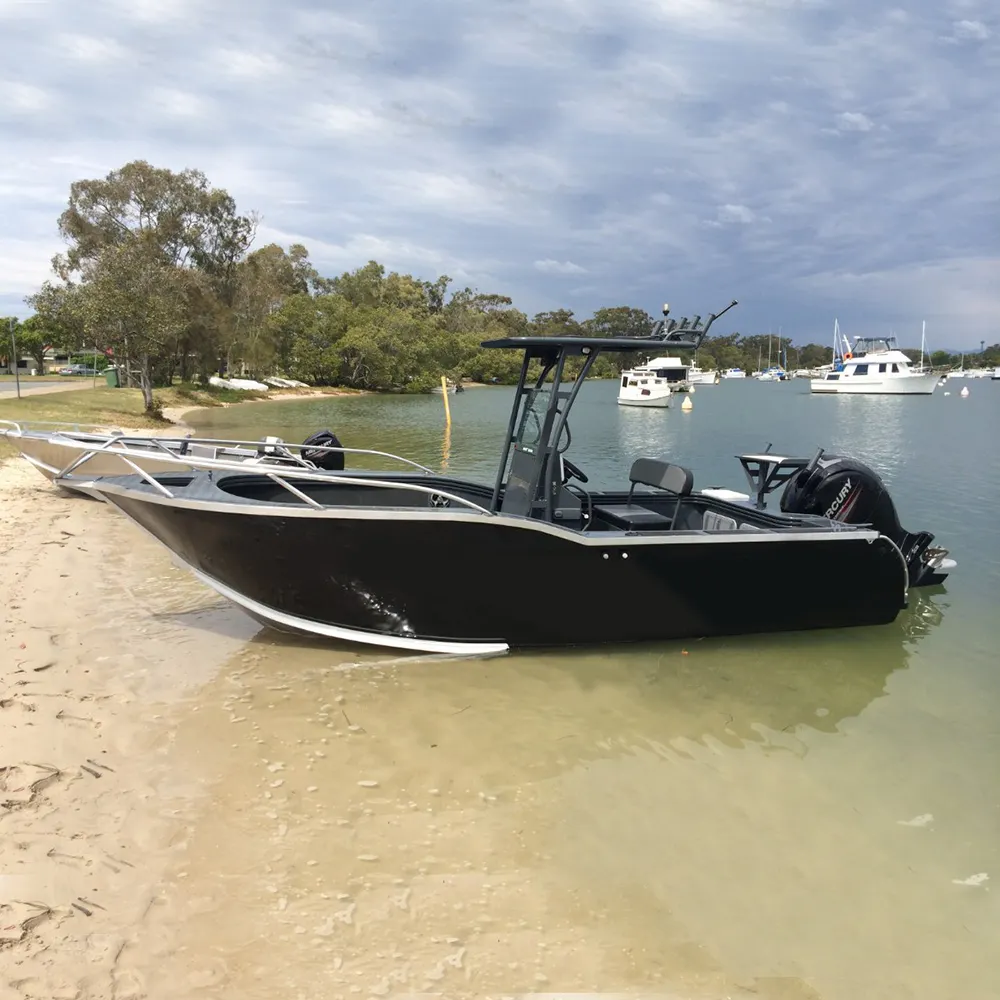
point(996, 374)
point(734, 373)
point(696, 376)
point(963, 372)
point(875, 366)
point(772, 374)
point(651, 384)
point(246, 384)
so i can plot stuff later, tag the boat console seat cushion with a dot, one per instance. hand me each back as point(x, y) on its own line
point(630, 516)
point(662, 476)
point(648, 472)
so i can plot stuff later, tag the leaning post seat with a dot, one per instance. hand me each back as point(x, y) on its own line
point(674, 479)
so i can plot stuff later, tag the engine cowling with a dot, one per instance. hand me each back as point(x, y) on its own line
point(332, 461)
point(844, 489)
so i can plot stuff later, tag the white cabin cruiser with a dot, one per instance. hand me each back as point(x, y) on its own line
point(698, 376)
point(651, 384)
point(734, 373)
point(875, 366)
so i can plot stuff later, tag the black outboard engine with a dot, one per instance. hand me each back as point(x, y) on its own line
point(332, 461)
point(846, 490)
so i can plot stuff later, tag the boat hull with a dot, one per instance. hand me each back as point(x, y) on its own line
point(660, 400)
point(900, 385)
point(449, 581)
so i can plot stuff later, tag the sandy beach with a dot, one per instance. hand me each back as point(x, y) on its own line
point(193, 807)
point(86, 825)
point(178, 786)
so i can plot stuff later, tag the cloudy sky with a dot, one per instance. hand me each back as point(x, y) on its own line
point(812, 158)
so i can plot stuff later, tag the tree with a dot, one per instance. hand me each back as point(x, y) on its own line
point(619, 321)
point(6, 324)
point(133, 302)
point(33, 338)
point(182, 223)
point(187, 220)
point(264, 280)
point(58, 310)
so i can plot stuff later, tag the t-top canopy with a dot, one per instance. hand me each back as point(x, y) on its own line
point(583, 345)
point(683, 334)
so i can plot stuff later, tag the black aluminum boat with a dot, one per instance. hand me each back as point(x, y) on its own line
point(371, 556)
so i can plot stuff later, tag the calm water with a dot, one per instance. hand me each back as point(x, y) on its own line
point(786, 817)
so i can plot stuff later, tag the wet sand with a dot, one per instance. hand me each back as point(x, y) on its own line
point(194, 807)
point(90, 807)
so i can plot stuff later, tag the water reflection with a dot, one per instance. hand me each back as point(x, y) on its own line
point(872, 428)
point(657, 818)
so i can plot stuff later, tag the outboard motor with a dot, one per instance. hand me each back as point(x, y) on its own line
point(847, 490)
point(332, 461)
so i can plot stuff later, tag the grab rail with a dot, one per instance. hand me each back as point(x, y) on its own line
point(160, 442)
point(275, 473)
point(22, 426)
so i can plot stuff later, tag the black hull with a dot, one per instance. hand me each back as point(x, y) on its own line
point(405, 581)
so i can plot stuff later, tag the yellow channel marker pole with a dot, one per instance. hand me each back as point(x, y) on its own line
point(447, 408)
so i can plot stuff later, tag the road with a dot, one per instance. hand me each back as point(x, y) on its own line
point(36, 387)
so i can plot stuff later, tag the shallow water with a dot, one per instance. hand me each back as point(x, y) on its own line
point(793, 816)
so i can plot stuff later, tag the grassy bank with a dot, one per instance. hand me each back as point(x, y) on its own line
point(124, 407)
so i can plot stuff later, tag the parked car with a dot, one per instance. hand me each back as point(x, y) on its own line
point(77, 370)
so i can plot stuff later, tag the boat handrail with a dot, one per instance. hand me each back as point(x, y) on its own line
point(22, 426)
point(160, 442)
point(276, 473)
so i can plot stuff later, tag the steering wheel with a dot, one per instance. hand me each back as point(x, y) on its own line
point(574, 471)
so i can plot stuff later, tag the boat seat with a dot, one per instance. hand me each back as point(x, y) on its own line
point(673, 479)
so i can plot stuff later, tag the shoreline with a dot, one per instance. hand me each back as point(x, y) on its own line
point(176, 414)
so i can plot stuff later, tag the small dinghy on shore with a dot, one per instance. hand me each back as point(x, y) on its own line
point(371, 556)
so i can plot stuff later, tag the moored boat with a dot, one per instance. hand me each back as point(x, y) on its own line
point(698, 376)
point(370, 556)
point(875, 366)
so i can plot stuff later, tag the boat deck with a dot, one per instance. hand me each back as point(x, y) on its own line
point(608, 513)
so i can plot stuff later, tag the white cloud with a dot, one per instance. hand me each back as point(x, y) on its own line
point(739, 214)
point(89, 49)
point(247, 65)
point(24, 265)
point(345, 119)
point(179, 103)
point(559, 267)
point(704, 139)
point(23, 98)
point(956, 295)
point(854, 121)
point(972, 30)
point(154, 12)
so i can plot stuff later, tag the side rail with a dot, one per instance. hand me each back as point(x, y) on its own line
point(273, 450)
point(283, 477)
point(60, 427)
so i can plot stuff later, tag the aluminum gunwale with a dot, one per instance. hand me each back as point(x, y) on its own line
point(606, 539)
